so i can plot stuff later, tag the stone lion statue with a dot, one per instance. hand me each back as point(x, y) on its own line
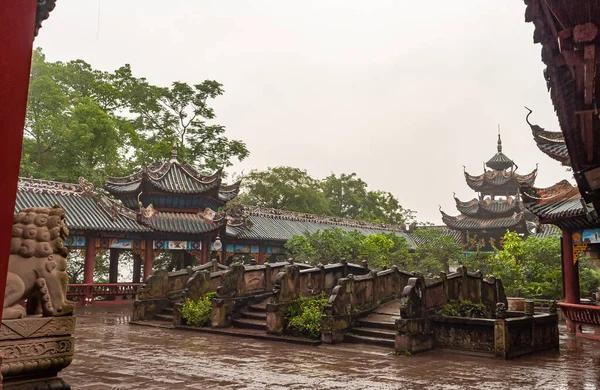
point(37, 264)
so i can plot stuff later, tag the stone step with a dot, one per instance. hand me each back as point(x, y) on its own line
point(163, 317)
point(255, 315)
point(370, 322)
point(259, 307)
point(387, 334)
point(250, 324)
point(351, 338)
point(167, 310)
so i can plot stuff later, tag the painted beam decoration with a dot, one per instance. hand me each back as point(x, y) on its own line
point(177, 245)
point(75, 241)
point(241, 248)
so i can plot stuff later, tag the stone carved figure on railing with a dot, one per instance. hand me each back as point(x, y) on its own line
point(412, 301)
point(232, 282)
point(37, 264)
point(500, 310)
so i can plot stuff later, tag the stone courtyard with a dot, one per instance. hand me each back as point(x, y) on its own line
point(111, 354)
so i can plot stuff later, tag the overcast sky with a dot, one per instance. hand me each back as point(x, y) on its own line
point(403, 93)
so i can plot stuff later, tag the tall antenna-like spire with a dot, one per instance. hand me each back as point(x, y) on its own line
point(499, 140)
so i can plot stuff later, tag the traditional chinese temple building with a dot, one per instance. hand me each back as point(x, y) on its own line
point(170, 207)
point(497, 207)
point(568, 34)
point(563, 206)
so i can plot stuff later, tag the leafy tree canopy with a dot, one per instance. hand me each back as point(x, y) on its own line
point(343, 196)
point(532, 267)
point(332, 245)
point(86, 122)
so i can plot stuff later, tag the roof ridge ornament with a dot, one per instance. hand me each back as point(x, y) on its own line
point(174, 152)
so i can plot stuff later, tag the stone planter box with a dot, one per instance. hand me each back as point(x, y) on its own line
point(504, 338)
point(516, 304)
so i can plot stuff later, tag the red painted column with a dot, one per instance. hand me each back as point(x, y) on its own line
point(148, 258)
point(90, 260)
point(261, 254)
point(17, 24)
point(204, 252)
point(88, 270)
point(570, 274)
point(113, 266)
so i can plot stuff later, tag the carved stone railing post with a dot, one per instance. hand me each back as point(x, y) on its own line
point(286, 290)
point(338, 312)
point(374, 287)
point(268, 277)
point(232, 285)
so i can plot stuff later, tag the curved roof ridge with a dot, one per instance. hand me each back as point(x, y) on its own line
point(50, 186)
point(559, 191)
point(308, 217)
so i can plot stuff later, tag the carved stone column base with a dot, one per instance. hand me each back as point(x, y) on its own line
point(34, 351)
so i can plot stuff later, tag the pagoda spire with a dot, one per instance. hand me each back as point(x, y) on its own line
point(499, 140)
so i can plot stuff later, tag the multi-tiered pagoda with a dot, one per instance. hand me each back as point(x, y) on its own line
point(498, 207)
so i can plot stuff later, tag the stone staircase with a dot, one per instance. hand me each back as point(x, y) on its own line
point(253, 317)
point(378, 328)
point(165, 314)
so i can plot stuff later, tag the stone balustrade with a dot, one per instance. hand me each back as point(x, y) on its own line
point(243, 285)
point(504, 334)
point(162, 289)
point(292, 282)
point(356, 296)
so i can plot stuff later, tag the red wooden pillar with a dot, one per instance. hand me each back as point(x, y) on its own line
point(261, 254)
point(113, 266)
point(88, 270)
point(570, 274)
point(90, 260)
point(148, 258)
point(17, 24)
point(204, 251)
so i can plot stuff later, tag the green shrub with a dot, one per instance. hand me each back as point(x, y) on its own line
point(197, 313)
point(464, 308)
point(305, 315)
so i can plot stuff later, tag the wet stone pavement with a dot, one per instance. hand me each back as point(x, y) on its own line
point(111, 354)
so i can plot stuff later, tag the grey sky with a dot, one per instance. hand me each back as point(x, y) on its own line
point(403, 93)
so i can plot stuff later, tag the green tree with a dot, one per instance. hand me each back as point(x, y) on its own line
point(332, 245)
point(345, 196)
point(181, 115)
point(86, 122)
point(349, 197)
point(284, 188)
point(435, 247)
point(71, 118)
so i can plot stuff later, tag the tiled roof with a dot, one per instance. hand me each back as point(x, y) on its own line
point(557, 151)
point(182, 223)
point(85, 210)
point(464, 222)
point(495, 180)
point(499, 162)
point(279, 225)
point(169, 176)
point(488, 208)
point(420, 240)
point(172, 177)
point(551, 143)
point(547, 230)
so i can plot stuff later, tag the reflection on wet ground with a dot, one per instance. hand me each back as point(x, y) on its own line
point(111, 354)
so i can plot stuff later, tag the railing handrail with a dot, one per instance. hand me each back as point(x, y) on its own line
point(103, 284)
point(578, 306)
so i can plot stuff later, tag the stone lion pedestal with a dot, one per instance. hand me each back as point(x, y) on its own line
point(34, 350)
point(37, 319)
